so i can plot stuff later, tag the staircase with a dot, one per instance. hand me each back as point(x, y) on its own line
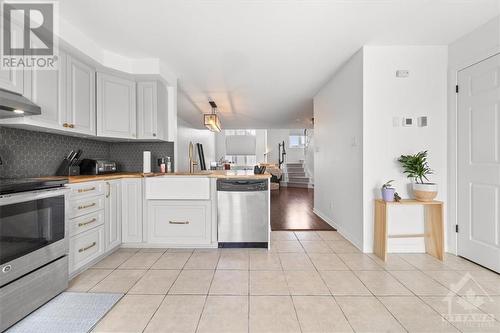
point(294, 175)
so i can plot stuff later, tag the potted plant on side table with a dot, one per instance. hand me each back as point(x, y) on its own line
point(388, 191)
point(417, 168)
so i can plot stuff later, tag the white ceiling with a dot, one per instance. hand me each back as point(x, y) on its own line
point(262, 61)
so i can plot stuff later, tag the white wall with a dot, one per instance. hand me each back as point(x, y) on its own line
point(385, 96)
point(471, 48)
point(185, 134)
point(309, 155)
point(358, 145)
point(338, 116)
point(275, 136)
point(261, 145)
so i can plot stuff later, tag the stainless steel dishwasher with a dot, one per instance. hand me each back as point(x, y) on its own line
point(243, 212)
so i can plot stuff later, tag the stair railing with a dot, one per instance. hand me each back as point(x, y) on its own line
point(281, 153)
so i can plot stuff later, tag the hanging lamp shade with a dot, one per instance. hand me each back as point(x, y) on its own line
point(211, 120)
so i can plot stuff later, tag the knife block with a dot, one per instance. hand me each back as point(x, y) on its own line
point(66, 170)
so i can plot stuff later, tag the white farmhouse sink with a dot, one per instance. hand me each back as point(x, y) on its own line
point(177, 188)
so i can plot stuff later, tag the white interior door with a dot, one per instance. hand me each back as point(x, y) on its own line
point(479, 163)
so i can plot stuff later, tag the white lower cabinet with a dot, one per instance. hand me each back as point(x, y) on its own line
point(85, 247)
point(86, 222)
point(94, 222)
point(86, 189)
point(131, 210)
point(103, 215)
point(179, 222)
point(79, 207)
point(113, 213)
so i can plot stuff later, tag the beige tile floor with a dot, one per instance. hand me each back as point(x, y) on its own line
point(309, 282)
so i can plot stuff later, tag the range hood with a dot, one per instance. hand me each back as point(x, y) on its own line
point(14, 105)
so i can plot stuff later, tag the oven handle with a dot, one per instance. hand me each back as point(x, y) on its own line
point(83, 249)
point(9, 199)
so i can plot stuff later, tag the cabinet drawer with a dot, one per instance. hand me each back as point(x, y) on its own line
point(86, 222)
point(85, 190)
point(85, 206)
point(179, 222)
point(85, 247)
point(178, 188)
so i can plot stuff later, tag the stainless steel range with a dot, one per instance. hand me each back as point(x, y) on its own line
point(33, 245)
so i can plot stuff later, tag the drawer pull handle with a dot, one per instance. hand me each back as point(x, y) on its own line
point(87, 247)
point(87, 206)
point(178, 222)
point(81, 190)
point(82, 224)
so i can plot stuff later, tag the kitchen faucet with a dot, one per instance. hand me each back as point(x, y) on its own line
point(192, 162)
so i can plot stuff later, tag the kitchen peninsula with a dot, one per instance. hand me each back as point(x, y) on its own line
point(151, 210)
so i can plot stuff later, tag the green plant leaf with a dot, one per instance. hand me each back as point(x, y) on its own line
point(416, 166)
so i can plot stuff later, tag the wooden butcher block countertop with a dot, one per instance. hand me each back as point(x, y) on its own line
point(222, 174)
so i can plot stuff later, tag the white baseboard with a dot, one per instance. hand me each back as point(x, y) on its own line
point(166, 245)
point(346, 235)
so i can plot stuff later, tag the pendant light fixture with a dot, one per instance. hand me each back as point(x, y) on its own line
point(211, 120)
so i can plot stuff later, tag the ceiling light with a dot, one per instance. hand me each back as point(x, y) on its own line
point(211, 120)
point(18, 111)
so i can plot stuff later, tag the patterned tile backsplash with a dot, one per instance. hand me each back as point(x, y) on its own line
point(129, 158)
point(34, 154)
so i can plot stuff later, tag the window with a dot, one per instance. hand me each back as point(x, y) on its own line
point(241, 146)
point(297, 141)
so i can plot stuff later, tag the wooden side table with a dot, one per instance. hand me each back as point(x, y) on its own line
point(433, 231)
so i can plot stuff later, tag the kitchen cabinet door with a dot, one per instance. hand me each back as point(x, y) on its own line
point(147, 110)
point(12, 80)
point(152, 110)
point(47, 89)
point(179, 222)
point(116, 107)
point(113, 213)
point(80, 114)
point(85, 248)
point(132, 210)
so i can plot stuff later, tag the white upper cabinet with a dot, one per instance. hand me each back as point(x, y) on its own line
point(116, 107)
point(151, 110)
point(46, 88)
point(65, 95)
point(12, 80)
point(80, 107)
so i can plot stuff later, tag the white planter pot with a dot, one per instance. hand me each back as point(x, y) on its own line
point(425, 192)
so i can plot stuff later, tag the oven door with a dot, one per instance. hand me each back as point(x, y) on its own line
point(32, 232)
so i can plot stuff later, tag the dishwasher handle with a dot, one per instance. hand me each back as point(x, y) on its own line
point(242, 185)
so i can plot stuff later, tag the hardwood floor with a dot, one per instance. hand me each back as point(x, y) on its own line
point(292, 209)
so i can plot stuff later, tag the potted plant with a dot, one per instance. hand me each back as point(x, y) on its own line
point(416, 168)
point(388, 191)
